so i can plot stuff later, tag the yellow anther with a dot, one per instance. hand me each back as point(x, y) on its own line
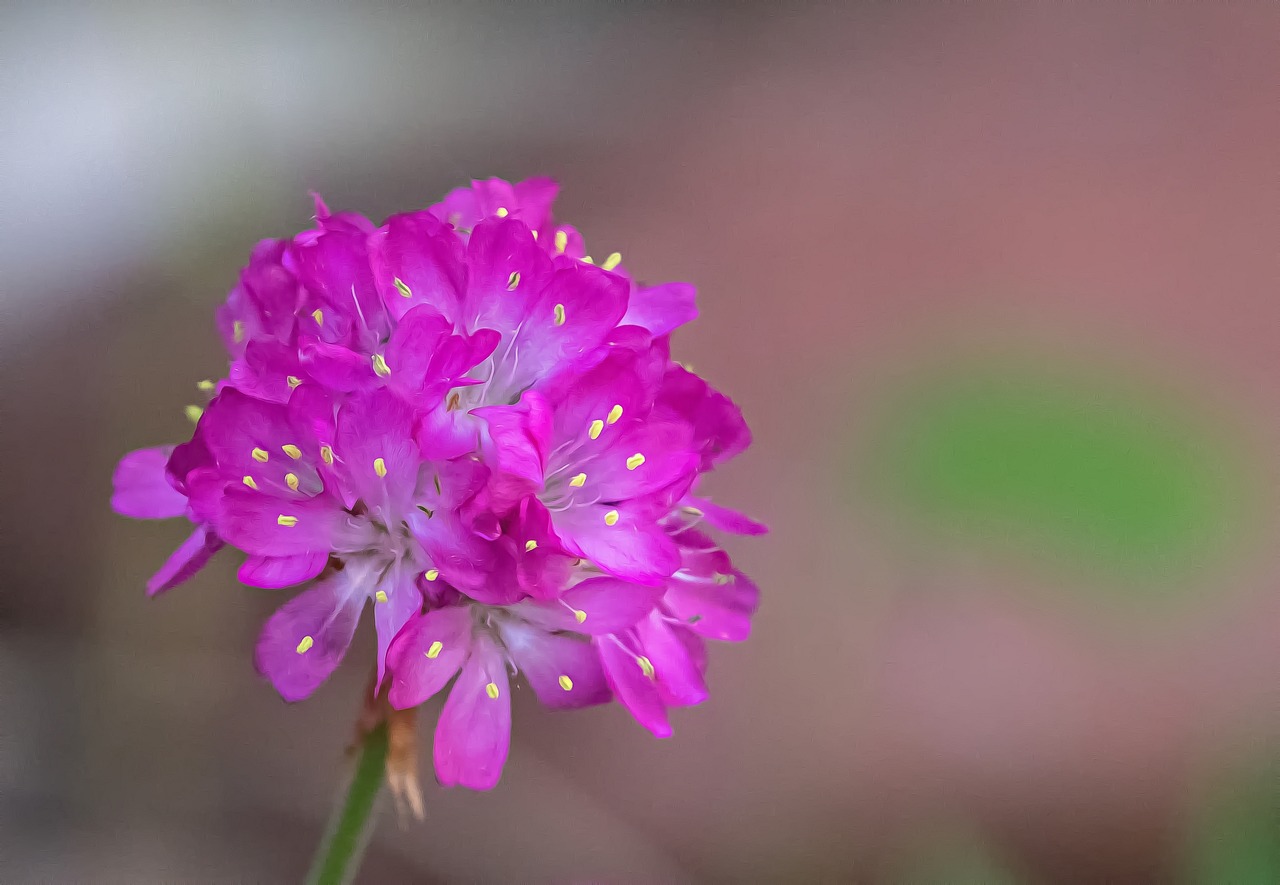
point(318, 316)
point(403, 288)
point(248, 480)
point(502, 212)
point(562, 241)
point(379, 467)
point(635, 461)
point(578, 481)
point(206, 386)
point(434, 651)
point(326, 455)
point(646, 665)
point(614, 259)
point(492, 690)
point(237, 331)
point(513, 280)
point(615, 413)
point(579, 615)
point(380, 367)
point(380, 596)
point(587, 259)
point(530, 546)
point(565, 682)
point(431, 574)
point(291, 480)
point(535, 236)
point(611, 518)
point(597, 428)
point(260, 455)
point(721, 579)
point(293, 381)
point(193, 413)
point(560, 315)
point(287, 521)
point(291, 450)
point(305, 644)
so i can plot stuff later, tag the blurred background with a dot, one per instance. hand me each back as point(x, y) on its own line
point(996, 287)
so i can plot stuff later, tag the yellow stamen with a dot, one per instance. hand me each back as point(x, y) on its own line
point(646, 665)
point(293, 381)
point(635, 461)
point(722, 579)
point(318, 316)
point(431, 574)
point(287, 521)
point(615, 413)
point(614, 259)
point(513, 280)
point(565, 682)
point(305, 644)
point(291, 450)
point(248, 480)
point(530, 546)
point(434, 651)
point(379, 467)
point(237, 331)
point(560, 316)
point(535, 236)
point(380, 367)
point(578, 481)
point(260, 455)
point(562, 240)
point(579, 615)
point(597, 428)
point(206, 386)
point(326, 455)
point(403, 288)
point(291, 480)
point(380, 596)
point(502, 212)
point(587, 259)
point(193, 413)
point(492, 690)
point(611, 518)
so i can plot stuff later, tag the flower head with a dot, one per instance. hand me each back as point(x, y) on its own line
point(460, 420)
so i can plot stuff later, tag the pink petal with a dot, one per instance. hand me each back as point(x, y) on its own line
point(305, 640)
point(141, 486)
point(473, 735)
point(564, 671)
point(419, 668)
point(274, 572)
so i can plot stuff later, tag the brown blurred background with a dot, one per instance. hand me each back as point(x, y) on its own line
point(856, 190)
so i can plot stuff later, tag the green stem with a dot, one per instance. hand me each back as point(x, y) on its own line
point(338, 857)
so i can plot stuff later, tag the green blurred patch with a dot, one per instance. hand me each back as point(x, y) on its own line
point(1236, 835)
point(1062, 465)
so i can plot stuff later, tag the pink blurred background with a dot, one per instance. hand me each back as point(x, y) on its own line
point(856, 191)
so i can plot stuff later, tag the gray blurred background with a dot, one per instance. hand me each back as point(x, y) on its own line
point(856, 190)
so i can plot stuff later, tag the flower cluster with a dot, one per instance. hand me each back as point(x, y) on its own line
point(461, 420)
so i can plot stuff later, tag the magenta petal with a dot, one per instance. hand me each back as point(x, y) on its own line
point(520, 435)
point(427, 653)
point(634, 689)
point(376, 449)
point(726, 520)
point(596, 606)
point(474, 732)
point(417, 259)
point(564, 671)
point(305, 640)
point(620, 540)
point(718, 607)
point(273, 526)
point(648, 456)
point(661, 309)
point(679, 679)
point(274, 572)
point(186, 561)
point(141, 486)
